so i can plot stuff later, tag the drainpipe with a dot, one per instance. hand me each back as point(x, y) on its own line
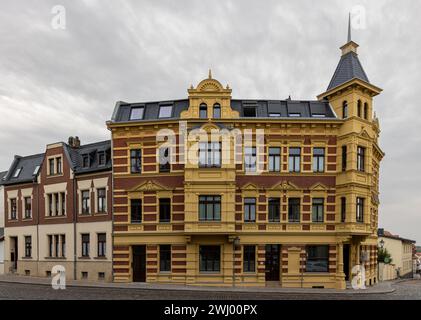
point(37, 224)
point(112, 208)
point(74, 226)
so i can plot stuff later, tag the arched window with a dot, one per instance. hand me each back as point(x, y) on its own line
point(359, 108)
point(345, 109)
point(366, 111)
point(203, 111)
point(217, 110)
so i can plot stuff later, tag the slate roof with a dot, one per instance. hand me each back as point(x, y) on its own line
point(349, 67)
point(75, 156)
point(27, 165)
point(2, 175)
point(264, 109)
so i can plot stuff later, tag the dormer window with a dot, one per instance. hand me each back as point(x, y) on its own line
point(318, 115)
point(165, 111)
point(36, 170)
point(217, 111)
point(85, 161)
point(51, 167)
point(136, 113)
point(274, 114)
point(250, 111)
point(59, 166)
point(101, 158)
point(17, 172)
point(294, 115)
point(203, 111)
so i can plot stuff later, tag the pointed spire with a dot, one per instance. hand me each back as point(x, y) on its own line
point(210, 74)
point(349, 28)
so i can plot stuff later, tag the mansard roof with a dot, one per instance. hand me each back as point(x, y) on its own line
point(27, 166)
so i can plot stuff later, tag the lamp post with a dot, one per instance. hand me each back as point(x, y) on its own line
point(382, 243)
point(235, 243)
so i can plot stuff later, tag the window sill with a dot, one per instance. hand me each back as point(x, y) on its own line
point(55, 175)
point(27, 219)
point(100, 258)
point(26, 258)
point(55, 258)
point(216, 273)
point(54, 217)
point(84, 258)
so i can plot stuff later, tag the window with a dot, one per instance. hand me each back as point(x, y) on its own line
point(318, 160)
point(165, 258)
point(249, 112)
point(210, 154)
point(17, 172)
point(136, 210)
point(203, 111)
point(50, 245)
point(137, 113)
point(102, 244)
point(344, 153)
point(275, 159)
point(101, 275)
point(360, 209)
point(28, 246)
point(57, 245)
point(217, 111)
point(85, 161)
point(85, 245)
point(102, 200)
point(294, 159)
point(365, 110)
point(294, 115)
point(250, 210)
point(249, 258)
point(294, 210)
point(84, 275)
point(36, 170)
point(136, 161)
point(210, 258)
point(250, 159)
point(361, 159)
point(317, 259)
point(164, 210)
point(345, 110)
point(164, 160)
point(318, 115)
point(343, 209)
point(13, 209)
point(59, 166)
point(50, 205)
point(85, 202)
point(359, 108)
point(101, 158)
point(57, 203)
point(274, 209)
point(210, 208)
point(28, 207)
point(165, 111)
point(318, 210)
point(274, 114)
point(51, 166)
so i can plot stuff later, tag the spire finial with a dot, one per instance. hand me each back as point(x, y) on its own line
point(349, 28)
point(210, 73)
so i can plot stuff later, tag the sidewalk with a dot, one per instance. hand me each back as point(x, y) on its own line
point(381, 288)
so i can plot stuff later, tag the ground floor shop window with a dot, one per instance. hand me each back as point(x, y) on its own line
point(317, 259)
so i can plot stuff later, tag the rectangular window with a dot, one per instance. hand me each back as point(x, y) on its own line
point(250, 112)
point(210, 208)
point(28, 246)
point(318, 210)
point(17, 172)
point(361, 159)
point(63, 245)
point(102, 200)
point(164, 210)
point(57, 202)
point(59, 166)
point(165, 258)
point(85, 161)
point(102, 244)
point(343, 209)
point(210, 258)
point(51, 166)
point(249, 258)
point(294, 159)
point(28, 207)
point(165, 111)
point(85, 202)
point(50, 205)
point(294, 210)
point(274, 114)
point(136, 113)
point(101, 158)
point(56, 245)
point(249, 209)
point(360, 209)
point(210, 154)
point(50, 245)
point(63, 203)
point(164, 160)
point(274, 209)
point(136, 210)
point(136, 161)
point(318, 160)
point(13, 209)
point(274, 159)
point(344, 154)
point(317, 259)
point(250, 159)
point(217, 111)
point(85, 245)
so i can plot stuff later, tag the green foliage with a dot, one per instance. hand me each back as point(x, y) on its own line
point(382, 255)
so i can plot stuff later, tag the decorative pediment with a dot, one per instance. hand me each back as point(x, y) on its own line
point(149, 186)
point(285, 186)
point(364, 134)
point(249, 187)
point(318, 187)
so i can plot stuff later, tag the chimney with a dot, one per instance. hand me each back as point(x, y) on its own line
point(77, 142)
point(74, 142)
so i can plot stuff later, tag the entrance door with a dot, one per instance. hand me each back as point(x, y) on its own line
point(14, 252)
point(346, 261)
point(139, 263)
point(272, 262)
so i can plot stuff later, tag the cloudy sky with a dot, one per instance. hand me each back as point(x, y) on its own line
point(55, 83)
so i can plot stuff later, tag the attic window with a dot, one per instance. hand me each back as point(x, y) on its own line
point(137, 113)
point(165, 111)
point(36, 170)
point(274, 114)
point(295, 115)
point(318, 115)
point(17, 172)
point(101, 158)
point(250, 111)
point(85, 161)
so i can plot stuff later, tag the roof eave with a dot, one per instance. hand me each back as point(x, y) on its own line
point(374, 89)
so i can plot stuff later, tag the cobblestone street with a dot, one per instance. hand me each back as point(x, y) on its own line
point(410, 289)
